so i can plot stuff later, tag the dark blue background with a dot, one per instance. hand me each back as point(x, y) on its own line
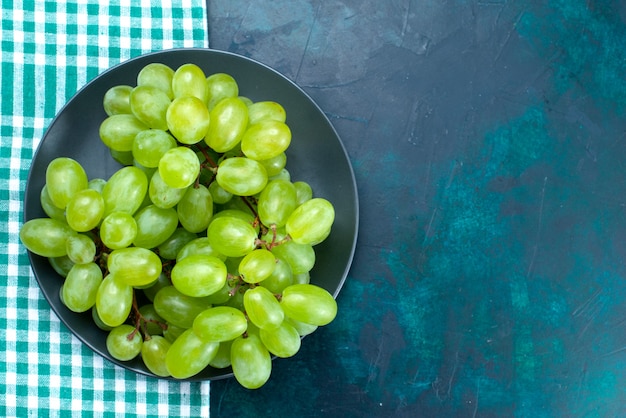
point(488, 139)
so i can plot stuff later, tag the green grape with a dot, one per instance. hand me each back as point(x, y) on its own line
point(223, 295)
point(178, 309)
point(154, 352)
point(251, 362)
point(220, 323)
point(122, 157)
point(125, 190)
point(134, 266)
point(310, 223)
point(309, 303)
point(303, 329)
point(170, 248)
point(151, 320)
point(151, 291)
point(241, 176)
point(273, 166)
point(118, 230)
point(81, 287)
point(172, 332)
point(300, 257)
point(200, 245)
point(276, 202)
point(266, 110)
point(199, 275)
point(238, 213)
point(154, 226)
point(98, 321)
point(231, 236)
point(189, 80)
point(188, 119)
point(219, 195)
point(195, 209)
point(80, 249)
point(248, 102)
point(179, 167)
point(84, 211)
point(64, 178)
point(162, 195)
point(157, 75)
point(229, 120)
point(282, 175)
point(257, 265)
point(262, 308)
point(283, 341)
point(304, 192)
point(150, 145)
point(124, 342)
point(62, 265)
point(220, 86)
point(265, 139)
point(149, 104)
point(50, 208)
point(118, 132)
point(302, 278)
point(280, 278)
point(46, 237)
point(114, 300)
point(189, 355)
point(97, 184)
point(116, 100)
point(222, 357)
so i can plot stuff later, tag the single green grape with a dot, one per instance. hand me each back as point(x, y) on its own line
point(169, 249)
point(229, 120)
point(117, 100)
point(154, 226)
point(179, 167)
point(195, 208)
point(222, 357)
point(310, 223)
point(275, 165)
point(46, 237)
point(304, 192)
point(150, 145)
point(266, 110)
point(220, 323)
point(157, 75)
point(154, 352)
point(161, 194)
point(241, 176)
point(219, 195)
point(85, 210)
point(134, 266)
point(199, 275)
point(189, 80)
point(64, 178)
point(262, 308)
point(300, 257)
point(81, 287)
point(265, 139)
point(189, 355)
point(118, 131)
point(118, 230)
point(125, 190)
point(220, 86)
point(257, 265)
point(276, 202)
point(309, 303)
point(188, 119)
point(50, 208)
point(231, 236)
point(80, 249)
point(251, 362)
point(177, 308)
point(124, 342)
point(114, 300)
point(283, 341)
point(149, 104)
point(200, 245)
point(281, 277)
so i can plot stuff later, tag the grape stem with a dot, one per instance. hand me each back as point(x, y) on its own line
point(141, 322)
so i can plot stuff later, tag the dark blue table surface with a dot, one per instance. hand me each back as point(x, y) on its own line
point(488, 140)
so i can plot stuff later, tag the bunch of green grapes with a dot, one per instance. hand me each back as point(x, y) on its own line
point(197, 251)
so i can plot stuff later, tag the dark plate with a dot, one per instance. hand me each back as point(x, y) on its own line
point(315, 155)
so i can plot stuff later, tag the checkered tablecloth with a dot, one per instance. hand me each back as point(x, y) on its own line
point(49, 50)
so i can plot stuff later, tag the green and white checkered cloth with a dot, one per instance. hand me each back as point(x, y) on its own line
point(49, 50)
